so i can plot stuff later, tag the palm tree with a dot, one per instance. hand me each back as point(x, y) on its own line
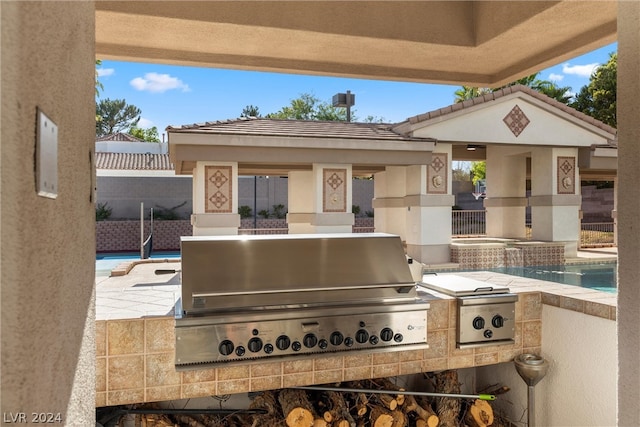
point(468, 92)
point(546, 87)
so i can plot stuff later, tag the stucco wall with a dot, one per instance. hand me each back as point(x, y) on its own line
point(47, 245)
point(628, 208)
point(580, 386)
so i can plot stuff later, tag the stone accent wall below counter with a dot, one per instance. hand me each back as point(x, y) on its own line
point(135, 359)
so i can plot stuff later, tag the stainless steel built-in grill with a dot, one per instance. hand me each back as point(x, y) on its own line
point(486, 312)
point(254, 297)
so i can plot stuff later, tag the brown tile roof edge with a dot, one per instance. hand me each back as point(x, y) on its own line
point(298, 128)
point(492, 96)
point(119, 137)
point(134, 161)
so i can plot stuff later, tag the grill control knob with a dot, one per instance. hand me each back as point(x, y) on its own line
point(336, 338)
point(310, 340)
point(398, 337)
point(268, 348)
point(240, 351)
point(348, 341)
point(488, 333)
point(255, 345)
point(386, 334)
point(226, 348)
point(323, 344)
point(362, 336)
point(478, 323)
point(497, 321)
point(283, 342)
point(373, 340)
point(296, 346)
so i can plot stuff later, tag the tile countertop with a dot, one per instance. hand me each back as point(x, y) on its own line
point(142, 293)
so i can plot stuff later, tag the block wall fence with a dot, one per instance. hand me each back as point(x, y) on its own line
point(124, 236)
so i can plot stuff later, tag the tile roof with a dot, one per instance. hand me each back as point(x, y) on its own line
point(121, 137)
point(504, 92)
point(133, 161)
point(297, 128)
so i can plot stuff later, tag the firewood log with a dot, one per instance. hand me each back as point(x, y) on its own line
point(381, 417)
point(447, 408)
point(400, 398)
point(185, 420)
point(480, 414)
point(360, 399)
point(267, 401)
point(296, 408)
point(399, 418)
point(424, 413)
point(388, 401)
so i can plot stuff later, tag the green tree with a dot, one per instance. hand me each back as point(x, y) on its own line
point(115, 116)
point(250, 111)
point(598, 98)
point(149, 135)
point(478, 171)
point(309, 107)
point(552, 90)
point(468, 92)
point(99, 85)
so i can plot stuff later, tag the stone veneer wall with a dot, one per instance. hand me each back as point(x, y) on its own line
point(119, 236)
point(135, 359)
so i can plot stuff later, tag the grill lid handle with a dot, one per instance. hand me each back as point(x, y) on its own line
point(484, 289)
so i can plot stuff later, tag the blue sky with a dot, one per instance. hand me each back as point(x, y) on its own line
point(174, 95)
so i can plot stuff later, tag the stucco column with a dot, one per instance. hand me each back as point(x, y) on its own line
point(48, 244)
point(506, 190)
point(388, 201)
point(215, 199)
point(429, 201)
point(628, 316)
point(555, 197)
point(320, 200)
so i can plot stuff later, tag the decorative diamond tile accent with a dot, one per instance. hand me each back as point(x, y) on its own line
point(218, 189)
point(218, 199)
point(218, 179)
point(566, 175)
point(516, 120)
point(334, 181)
point(334, 190)
point(437, 174)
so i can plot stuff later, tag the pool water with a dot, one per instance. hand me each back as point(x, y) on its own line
point(599, 276)
point(105, 262)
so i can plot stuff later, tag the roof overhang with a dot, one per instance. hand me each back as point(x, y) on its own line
point(479, 43)
point(271, 155)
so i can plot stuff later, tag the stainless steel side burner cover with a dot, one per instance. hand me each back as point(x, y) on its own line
point(486, 312)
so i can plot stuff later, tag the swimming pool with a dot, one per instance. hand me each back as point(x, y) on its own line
point(105, 262)
point(599, 276)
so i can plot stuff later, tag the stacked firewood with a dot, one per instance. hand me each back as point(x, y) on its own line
point(358, 407)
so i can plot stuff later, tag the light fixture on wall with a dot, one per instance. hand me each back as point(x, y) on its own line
point(473, 147)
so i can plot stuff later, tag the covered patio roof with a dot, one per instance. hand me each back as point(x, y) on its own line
point(271, 147)
point(480, 43)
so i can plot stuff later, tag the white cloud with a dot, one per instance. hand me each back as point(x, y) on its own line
point(580, 70)
point(145, 123)
point(158, 83)
point(103, 72)
point(555, 77)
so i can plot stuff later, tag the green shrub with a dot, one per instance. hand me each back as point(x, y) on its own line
point(245, 211)
point(103, 212)
point(278, 211)
point(168, 214)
